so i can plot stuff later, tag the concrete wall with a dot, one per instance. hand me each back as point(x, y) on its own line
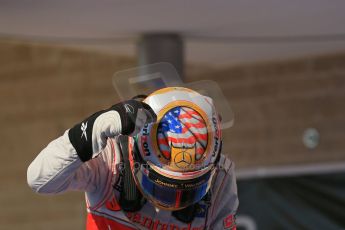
point(45, 90)
point(274, 103)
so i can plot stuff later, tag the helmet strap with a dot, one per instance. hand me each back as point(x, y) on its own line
point(131, 199)
point(188, 214)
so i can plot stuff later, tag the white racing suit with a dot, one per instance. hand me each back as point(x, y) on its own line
point(58, 169)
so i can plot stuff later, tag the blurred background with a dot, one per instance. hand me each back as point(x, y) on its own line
point(280, 64)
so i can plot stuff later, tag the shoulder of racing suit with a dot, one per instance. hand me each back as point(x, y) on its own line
point(224, 202)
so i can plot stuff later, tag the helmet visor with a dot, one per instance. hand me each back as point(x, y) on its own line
point(169, 193)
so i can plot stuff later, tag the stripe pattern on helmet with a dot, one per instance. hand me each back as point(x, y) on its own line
point(182, 127)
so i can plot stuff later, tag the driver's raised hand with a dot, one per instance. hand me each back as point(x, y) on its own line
point(127, 118)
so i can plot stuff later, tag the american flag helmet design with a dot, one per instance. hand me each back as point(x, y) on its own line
point(183, 145)
point(182, 127)
point(186, 122)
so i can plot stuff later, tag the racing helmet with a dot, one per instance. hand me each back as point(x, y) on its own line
point(175, 158)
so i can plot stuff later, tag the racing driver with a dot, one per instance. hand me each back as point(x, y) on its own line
point(151, 162)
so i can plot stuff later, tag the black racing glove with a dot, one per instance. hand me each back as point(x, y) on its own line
point(127, 118)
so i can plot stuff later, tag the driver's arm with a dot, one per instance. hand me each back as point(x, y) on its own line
point(65, 164)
